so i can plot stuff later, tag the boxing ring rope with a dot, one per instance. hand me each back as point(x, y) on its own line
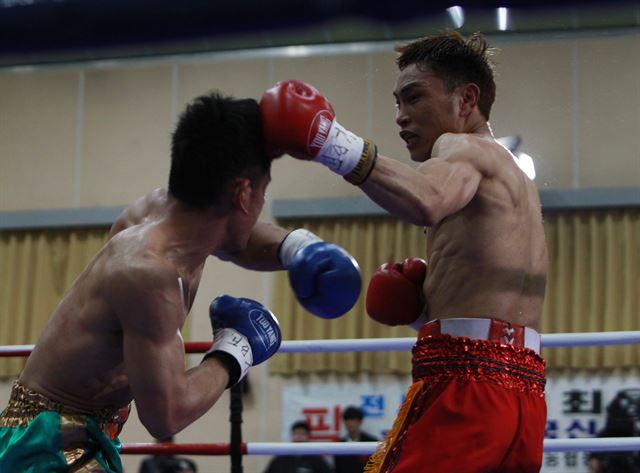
point(554, 340)
point(608, 444)
point(549, 340)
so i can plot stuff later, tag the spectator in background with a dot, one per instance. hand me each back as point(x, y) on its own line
point(353, 417)
point(621, 421)
point(300, 432)
point(167, 463)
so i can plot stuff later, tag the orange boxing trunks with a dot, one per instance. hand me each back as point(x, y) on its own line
point(476, 404)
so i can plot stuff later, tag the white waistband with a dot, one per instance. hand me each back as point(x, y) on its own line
point(479, 329)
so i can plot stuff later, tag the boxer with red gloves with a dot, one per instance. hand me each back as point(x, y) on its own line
point(395, 294)
point(485, 245)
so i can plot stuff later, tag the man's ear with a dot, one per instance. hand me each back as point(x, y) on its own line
point(469, 96)
point(241, 194)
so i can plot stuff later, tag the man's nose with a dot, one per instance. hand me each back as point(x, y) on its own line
point(401, 117)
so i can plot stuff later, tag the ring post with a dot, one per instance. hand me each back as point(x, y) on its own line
point(235, 418)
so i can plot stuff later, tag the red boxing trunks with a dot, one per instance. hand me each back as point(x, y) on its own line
point(476, 404)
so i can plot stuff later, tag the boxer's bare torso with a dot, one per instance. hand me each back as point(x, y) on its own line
point(489, 259)
point(485, 246)
point(78, 359)
point(115, 336)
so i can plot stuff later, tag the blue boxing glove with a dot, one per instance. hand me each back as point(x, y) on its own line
point(245, 333)
point(324, 277)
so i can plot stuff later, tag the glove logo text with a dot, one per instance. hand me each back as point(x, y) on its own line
point(263, 325)
point(320, 128)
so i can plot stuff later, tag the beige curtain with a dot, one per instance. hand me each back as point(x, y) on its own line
point(36, 267)
point(593, 285)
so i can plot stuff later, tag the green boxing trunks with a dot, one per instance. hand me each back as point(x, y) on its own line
point(38, 435)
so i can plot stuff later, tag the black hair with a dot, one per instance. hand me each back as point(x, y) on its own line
point(352, 412)
point(217, 138)
point(456, 60)
point(301, 425)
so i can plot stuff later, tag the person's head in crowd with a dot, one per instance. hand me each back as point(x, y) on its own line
point(352, 417)
point(300, 431)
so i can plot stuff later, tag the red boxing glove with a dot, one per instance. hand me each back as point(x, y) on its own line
point(394, 296)
point(296, 119)
point(299, 121)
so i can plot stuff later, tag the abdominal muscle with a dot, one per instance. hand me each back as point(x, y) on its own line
point(487, 264)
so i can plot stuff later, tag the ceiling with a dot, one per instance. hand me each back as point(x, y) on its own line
point(36, 32)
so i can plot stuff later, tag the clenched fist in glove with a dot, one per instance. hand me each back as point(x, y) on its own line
point(298, 120)
point(325, 278)
point(394, 296)
point(245, 333)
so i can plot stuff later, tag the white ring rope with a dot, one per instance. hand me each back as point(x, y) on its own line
point(549, 340)
point(611, 444)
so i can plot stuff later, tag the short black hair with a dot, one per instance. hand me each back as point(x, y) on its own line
point(301, 425)
point(217, 138)
point(352, 412)
point(456, 61)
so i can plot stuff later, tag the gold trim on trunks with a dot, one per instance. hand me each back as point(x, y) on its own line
point(25, 404)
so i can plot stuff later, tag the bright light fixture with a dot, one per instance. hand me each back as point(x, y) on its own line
point(525, 162)
point(456, 13)
point(503, 18)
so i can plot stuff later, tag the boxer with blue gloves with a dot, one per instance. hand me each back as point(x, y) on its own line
point(121, 319)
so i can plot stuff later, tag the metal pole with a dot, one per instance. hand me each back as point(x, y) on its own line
point(235, 418)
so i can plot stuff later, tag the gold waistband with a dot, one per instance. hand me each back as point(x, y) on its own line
point(25, 404)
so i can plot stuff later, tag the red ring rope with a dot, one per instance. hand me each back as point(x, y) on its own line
point(180, 449)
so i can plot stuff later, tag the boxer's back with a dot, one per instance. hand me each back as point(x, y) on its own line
point(489, 259)
point(84, 322)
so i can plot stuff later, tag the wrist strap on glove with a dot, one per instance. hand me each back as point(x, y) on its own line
point(347, 154)
point(234, 351)
point(361, 172)
point(294, 242)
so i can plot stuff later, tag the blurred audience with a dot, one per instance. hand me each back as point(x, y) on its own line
point(353, 417)
point(167, 463)
point(300, 432)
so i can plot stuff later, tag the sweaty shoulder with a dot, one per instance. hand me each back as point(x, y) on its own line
point(483, 152)
point(142, 209)
point(503, 180)
point(137, 277)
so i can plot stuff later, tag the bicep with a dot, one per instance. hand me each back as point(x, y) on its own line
point(450, 183)
point(423, 195)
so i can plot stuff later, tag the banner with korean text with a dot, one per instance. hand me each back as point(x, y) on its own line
point(576, 408)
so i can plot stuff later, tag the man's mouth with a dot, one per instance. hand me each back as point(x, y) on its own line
point(409, 137)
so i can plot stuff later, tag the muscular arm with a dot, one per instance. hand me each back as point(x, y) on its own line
point(437, 188)
point(167, 398)
point(261, 253)
point(422, 196)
